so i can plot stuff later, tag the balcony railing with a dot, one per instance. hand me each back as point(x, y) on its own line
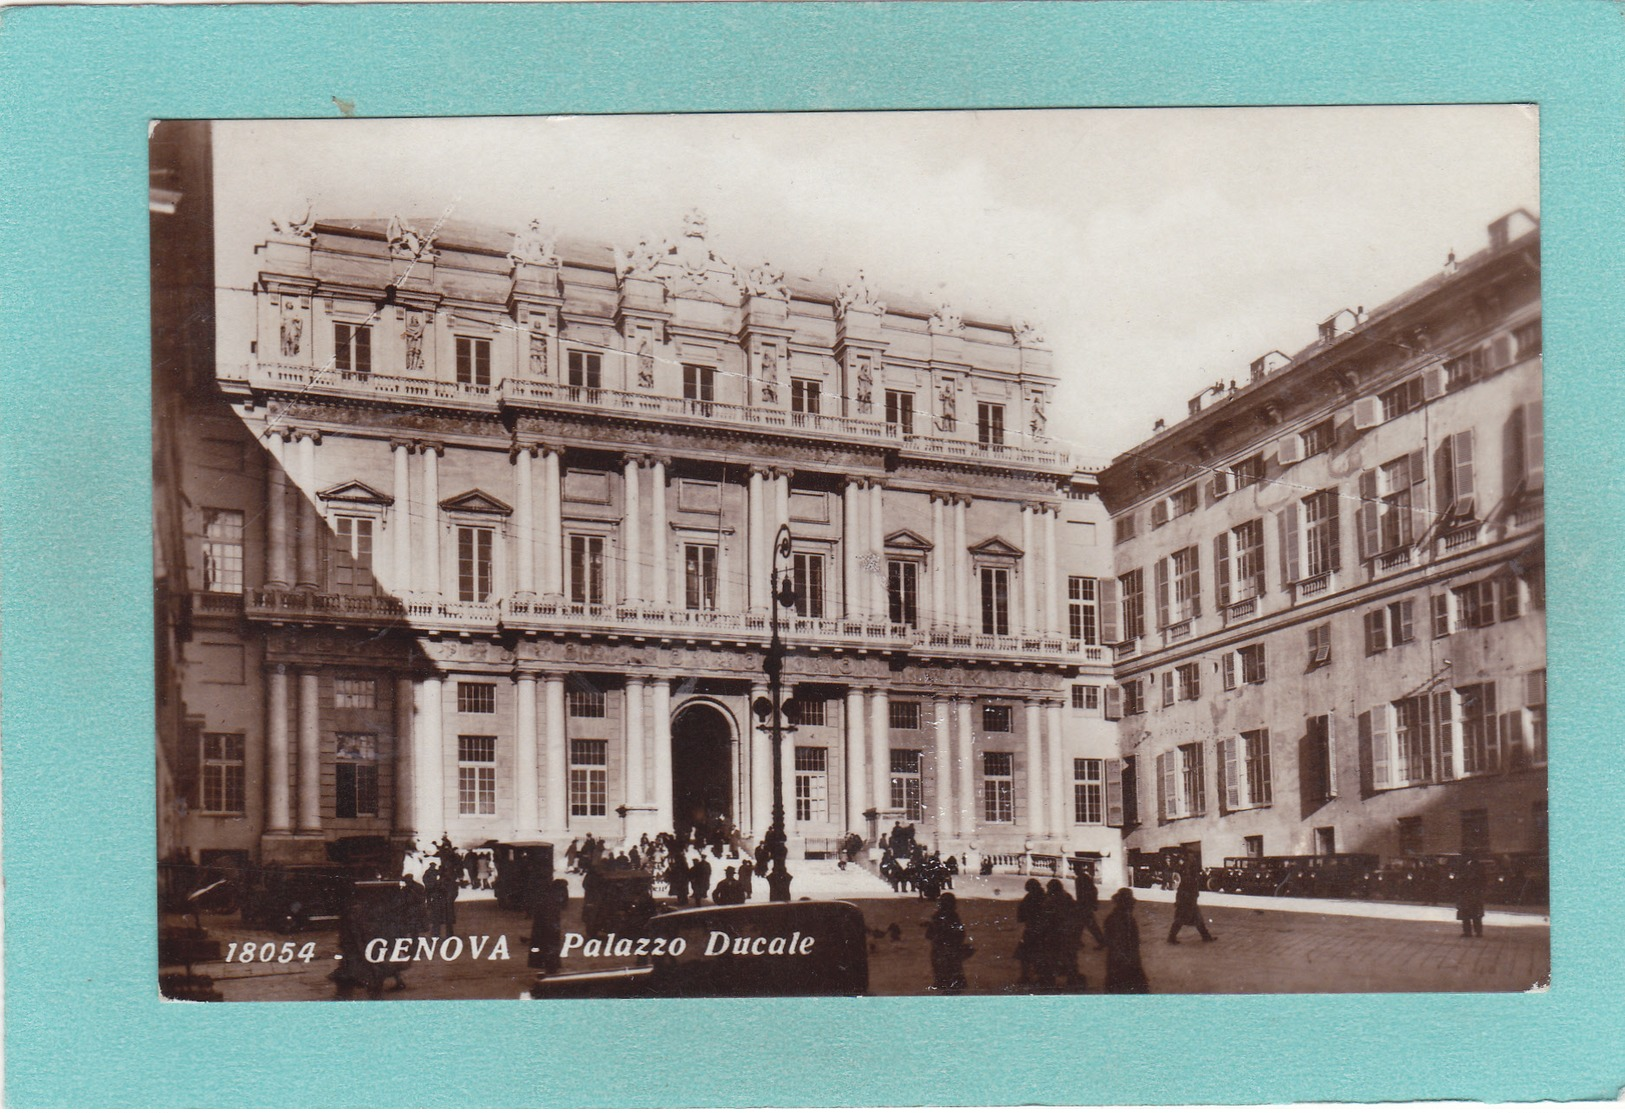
point(1399, 558)
point(1457, 538)
point(1528, 513)
point(1240, 610)
point(1178, 632)
point(292, 605)
point(305, 379)
point(1311, 586)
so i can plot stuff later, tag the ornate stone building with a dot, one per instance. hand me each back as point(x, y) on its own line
point(480, 529)
point(1329, 610)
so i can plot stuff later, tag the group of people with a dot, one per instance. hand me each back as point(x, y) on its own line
point(909, 866)
point(1053, 926)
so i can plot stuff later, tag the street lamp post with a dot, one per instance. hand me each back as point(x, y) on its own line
point(778, 881)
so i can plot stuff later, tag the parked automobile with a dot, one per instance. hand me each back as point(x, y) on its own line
point(297, 898)
point(524, 870)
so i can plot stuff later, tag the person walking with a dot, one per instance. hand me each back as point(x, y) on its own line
point(677, 876)
point(1186, 914)
point(435, 899)
point(1124, 974)
point(1088, 905)
point(950, 946)
point(1470, 898)
point(746, 873)
point(728, 890)
point(699, 877)
point(1065, 932)
point(1030, 912)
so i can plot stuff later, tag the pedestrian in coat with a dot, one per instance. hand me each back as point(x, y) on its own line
point(700, 878)
point(1030, 913)
point(449, 884)
point(434, 894)
point(747, 873)
point(1088, 904)
point(677, 877)
point(1470, 898)
point(728, 890)
point(1065, 932)
point(571, 853)
point(1124, 974)
point(950, 946)
point(546, 927)
point(1186, 914)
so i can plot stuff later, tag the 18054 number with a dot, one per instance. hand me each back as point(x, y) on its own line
point(269, 952)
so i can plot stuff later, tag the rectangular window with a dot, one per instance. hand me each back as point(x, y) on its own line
point(1134, 697)
point(1193, 784)
point(1480, 751)
point(359, 692)
point(903, 592)
point(1251, 659)
point(1190, 680)
point(995, 600)
point(998, 787)
point(1168, 688)
point(476, 698)
point(1401, 622)
point(476, 774)
point(1318, 438)
point(1123, 529)
point(350, 571)
point(1526, 339)
point(473, 361)
point(352, 348)
point(1320, 760)
point(1088, 790)
point(1402, 399)
point(1183, 501)
point(1086, 697)
point(1411, 840)
point(699, 387)
point(1081, 616)
point(808, 712)
point(1131, 588)
point(1238, 558)
point(700, 577)
point(222, 789)
point(1321, 542)
point(589, 777)
point(1535, 702)
point(900, 410)
point(1257, 757)
point(223, 551)
point(1475, 605)
point(586, 569)
point(1247, 472)
point(1466, 368)
point(809, 583)
point(585, 371)
point(355, 776)
point(1390, 502)
point(1413, 741)
point(1441, 615)
point(996, 718)
point(804, 396)
point(903, 715)
point(1454, 476)
point(586, 703)
point(1187, 584)
point(989, 423)
point(812, 784)
point(474, 563)
point(1320, 645)
point(1252, 846)
point(906, 794)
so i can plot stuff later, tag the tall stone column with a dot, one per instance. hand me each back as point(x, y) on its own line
point(880, 736)
point(405, 822)
point(309, 522)
point(310, 754)
point(632, 532)
point(962, 568)
point(429, 760)
point(943, 801)
point(942, 553)
point(552, 527)
point(877, 551)
point(857, 760)
point(430, 583)
point(660, 712)
point(400, 520)
point(968, 773)
point(556, 757)
point(760, 541)
point(278, 814)
point(659, 543)
point(524, 526)
point(781, 505)
point(637, 742)
point(1052, 579)
point(1029, 572)
point(1060, 811)
point(276, 521)
point(1037, 787)
point(526, 802)
point(761, 767)
point(853, 525)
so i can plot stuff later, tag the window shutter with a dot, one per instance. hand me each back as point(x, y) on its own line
point(1328, 734)
point(1512, 448)
point(1512, 743)
point(1367, 412)
point(1289, 450)
point(1159, 513)
point(1114, 792)
point(187, 764)
point(1376, 631)
point(1492, 732)
point(1404, 626)
point(1199, 805)
point(1534, 694)
point(1291, 567)
point(1368, 768)
point(1220, 486)
point(1370, 524)
point(1162, 593)
point(1106, 590)
point(1534, 460)
point(1229, 759)
point(1444, 734)
point(1461, 474)
point(1441, 614)
point(1501, 351)
point(1165, 802)
point(1433, 382)
point(1228, 667)
point(1418, 468)
point(1380, 741)
point(1114, 702)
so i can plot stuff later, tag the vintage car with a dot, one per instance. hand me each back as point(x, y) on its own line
point(524, 870)
point(617, 900)
point(801, 948)
point(297, 898)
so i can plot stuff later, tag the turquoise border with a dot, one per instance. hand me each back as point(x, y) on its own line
point(84, 1025)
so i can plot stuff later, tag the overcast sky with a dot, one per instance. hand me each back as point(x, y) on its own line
point(1158, 249)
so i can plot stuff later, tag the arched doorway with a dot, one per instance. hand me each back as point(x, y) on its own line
point(701, 771)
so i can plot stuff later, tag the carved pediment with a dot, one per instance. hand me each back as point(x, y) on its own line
point(996, 547)
point(907, 539)
point(476, 502)
point(354, 491)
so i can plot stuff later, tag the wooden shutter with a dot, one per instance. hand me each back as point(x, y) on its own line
point(1461, 474)
point(1220, 486)
point(1159, 513)
point(1534, 459)
point(1417, 466)
point(1228, 668)
point(1288, 450)
point(185, 765)
point(1221, 569)
point(1492, 731)
point(1441, 615)
point(1512, 449)
point(1376, 631)
point(1162, 593)
point(1370, 522)
point(1501, 351)
point(1433, 380)
point(1165, 803)
point(1228, 760)
point(1291, 566)
point(1513, 748)
point(1329, 738)
point(1106, 609)
point(1444, 735)
point(1199, 805)
point(1381, 740)
point(1114, 702)
point(1114, 792)
point(1367, 412)
point(1534, 694)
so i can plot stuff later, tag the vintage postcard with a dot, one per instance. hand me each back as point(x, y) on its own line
point(1061, 552)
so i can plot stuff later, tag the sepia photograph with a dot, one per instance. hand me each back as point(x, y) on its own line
point(1052, 552)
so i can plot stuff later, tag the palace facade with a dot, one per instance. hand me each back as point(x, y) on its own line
point(1328, 608)
point(481, 530)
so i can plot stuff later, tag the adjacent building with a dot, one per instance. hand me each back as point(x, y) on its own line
point(1328, 606)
